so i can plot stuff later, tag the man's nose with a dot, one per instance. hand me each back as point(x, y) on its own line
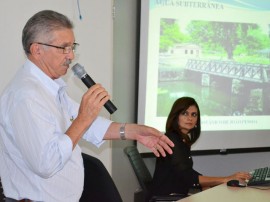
point(70, 55)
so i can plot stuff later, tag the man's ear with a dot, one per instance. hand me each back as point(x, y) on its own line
point(35, 49)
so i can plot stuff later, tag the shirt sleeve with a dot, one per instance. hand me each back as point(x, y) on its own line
point(190, 177)
point(97, 130)
point(182, 164)
point(38, 136)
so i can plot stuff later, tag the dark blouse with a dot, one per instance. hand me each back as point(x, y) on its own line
point(174, 173)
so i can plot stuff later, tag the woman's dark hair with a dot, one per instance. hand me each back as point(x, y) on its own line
point(179, 106)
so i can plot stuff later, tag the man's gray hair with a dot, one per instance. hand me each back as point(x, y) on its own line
point(40, 27)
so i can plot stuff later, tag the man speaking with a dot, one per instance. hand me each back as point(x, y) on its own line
point(40, 125)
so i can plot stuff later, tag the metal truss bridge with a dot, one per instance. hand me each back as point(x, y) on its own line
point(248, 72)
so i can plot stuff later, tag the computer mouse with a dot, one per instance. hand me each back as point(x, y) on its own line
point(235, 183)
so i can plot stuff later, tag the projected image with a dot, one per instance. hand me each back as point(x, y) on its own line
point(223, 65)
point(216, 51)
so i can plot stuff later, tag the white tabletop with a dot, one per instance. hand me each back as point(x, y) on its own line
point(223, 193)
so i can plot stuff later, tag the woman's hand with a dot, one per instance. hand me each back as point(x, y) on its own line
point(241, 176)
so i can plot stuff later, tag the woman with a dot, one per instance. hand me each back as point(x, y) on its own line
point(174, 173)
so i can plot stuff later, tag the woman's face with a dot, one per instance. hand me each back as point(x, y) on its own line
point(188, 119)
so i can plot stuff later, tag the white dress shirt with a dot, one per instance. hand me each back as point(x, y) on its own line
point(36, 157)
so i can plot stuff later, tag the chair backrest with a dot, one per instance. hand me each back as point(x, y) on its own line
point(2, 197)
point(98, 183)
point(145, 178)
point(141, 171)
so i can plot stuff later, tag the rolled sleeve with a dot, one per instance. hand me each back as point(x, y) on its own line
point(195, 180)
point(97, 130)
point(65, 145)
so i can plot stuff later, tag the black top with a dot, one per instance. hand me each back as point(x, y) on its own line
point(174, 173)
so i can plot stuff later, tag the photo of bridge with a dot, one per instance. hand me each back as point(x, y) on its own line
point(221, 67)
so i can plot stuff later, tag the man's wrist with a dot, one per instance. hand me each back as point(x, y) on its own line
point(122, 131)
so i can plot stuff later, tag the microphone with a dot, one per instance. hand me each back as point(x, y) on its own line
point(88, 81)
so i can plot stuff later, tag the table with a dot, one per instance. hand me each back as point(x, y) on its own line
point(223, 193)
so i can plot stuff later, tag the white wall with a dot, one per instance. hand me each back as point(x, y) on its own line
point(124, 90)
point(93, 33)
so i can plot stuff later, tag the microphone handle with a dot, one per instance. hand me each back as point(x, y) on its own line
point(88, 81)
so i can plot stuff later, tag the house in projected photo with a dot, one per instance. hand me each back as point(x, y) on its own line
point(172, 63)
point(186, 50)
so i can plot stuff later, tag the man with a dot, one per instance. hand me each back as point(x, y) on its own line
point(40, 125)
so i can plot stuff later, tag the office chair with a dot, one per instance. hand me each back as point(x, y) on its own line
point(98, 184)
point(145, 178)
point(2, 197)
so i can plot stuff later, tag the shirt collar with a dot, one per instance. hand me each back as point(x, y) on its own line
point(53, 85)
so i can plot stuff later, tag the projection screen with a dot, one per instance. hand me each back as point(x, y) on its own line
point(217, 52)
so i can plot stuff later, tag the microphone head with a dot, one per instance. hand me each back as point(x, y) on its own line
point(78, 70)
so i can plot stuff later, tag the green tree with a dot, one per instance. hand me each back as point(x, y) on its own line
point(228, 36)
point(170, 34)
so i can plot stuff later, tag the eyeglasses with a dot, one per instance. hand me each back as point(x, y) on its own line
point(66, 49)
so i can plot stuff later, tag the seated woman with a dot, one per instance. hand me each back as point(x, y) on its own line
point(174, 173)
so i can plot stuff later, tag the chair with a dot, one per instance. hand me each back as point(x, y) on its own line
point(145, 178)
point(2, 197)
point(98, 184)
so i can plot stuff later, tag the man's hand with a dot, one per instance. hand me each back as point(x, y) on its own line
point(150, 137)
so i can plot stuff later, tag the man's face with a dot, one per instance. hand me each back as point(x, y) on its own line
point(53, 61)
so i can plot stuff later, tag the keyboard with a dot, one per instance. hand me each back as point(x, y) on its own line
point(260, 177)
